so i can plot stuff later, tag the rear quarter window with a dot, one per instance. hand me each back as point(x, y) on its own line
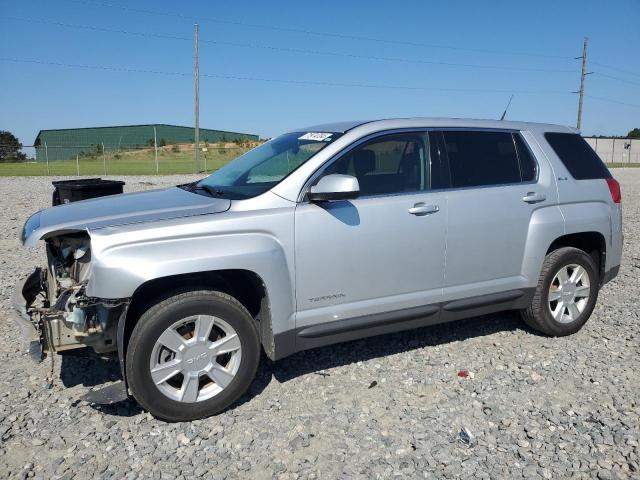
point(528, 166)
point(576, 154)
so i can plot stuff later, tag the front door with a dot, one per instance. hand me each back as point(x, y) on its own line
point(383, 251)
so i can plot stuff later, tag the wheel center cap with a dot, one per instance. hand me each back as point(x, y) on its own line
point(197, 357)
point(568, 291)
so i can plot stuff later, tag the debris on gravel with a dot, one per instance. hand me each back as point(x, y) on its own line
point(535, 407)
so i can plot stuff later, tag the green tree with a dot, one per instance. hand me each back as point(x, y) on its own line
point(635, 133)
point(10, 148)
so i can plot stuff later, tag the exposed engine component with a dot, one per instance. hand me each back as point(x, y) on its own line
point(69, 259)
point(66, 317)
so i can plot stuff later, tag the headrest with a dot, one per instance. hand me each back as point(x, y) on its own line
point(409, 162)
point(364, 161)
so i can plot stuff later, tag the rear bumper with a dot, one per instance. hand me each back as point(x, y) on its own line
point(21, 317)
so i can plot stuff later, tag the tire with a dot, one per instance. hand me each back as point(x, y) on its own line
point(182, 314)
point(539, 313)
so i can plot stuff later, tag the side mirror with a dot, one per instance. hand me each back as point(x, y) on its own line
point(334, 187)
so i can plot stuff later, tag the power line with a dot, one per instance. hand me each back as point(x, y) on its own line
point(610, 100)
point(279, 80)
point(98, 29)
point(316, 32)
point(338, 35)
point(380, 86)
point(616, 78)
point(622, 70)
point(294, 50)
point(92, 67)
point(304, 82)
point(387, 59)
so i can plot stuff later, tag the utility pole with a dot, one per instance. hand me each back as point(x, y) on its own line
point(197, 101)
point(582, 77)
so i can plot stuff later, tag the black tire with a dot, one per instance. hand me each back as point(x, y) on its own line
point(162, 315)
point(538, 315)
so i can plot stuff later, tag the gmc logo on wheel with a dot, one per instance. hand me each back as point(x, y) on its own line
point(197, 357)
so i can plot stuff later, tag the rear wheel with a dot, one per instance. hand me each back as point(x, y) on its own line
point(192, 355)
point(566, 294)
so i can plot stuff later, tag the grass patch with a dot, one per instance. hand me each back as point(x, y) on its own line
point(622, 165)
point(171, 160)
point(133, 162)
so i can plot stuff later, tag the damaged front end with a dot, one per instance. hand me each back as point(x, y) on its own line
point(53, 308)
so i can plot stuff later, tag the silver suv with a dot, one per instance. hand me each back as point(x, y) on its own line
point(323, 235)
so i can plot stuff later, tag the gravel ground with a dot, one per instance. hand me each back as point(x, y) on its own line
point(382, 407)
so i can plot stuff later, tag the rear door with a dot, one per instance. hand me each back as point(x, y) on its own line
point(495, 189)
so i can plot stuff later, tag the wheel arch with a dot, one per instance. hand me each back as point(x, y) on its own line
point(591, 242)
point(246, 286)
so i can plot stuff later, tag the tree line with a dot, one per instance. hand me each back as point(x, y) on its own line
point(10, 148)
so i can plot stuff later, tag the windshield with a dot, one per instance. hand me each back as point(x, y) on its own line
point(262, 168)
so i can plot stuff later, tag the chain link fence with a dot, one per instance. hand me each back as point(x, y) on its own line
point(94, 160)
point(167, 159)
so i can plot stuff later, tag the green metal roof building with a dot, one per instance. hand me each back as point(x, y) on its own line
point(65, 144)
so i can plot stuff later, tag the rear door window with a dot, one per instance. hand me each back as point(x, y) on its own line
point(478, 158)
point(576, 154)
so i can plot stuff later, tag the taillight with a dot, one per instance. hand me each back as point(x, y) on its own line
point(614, 188)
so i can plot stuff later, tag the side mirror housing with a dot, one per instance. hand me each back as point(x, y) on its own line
point(334, 187)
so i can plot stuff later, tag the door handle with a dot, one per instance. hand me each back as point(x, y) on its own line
point(421, 208)
point(533, 197)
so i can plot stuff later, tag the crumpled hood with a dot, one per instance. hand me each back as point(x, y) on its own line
point(121, 209)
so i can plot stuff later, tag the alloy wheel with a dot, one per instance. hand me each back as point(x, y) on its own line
point(569, 293)
point(195, 358)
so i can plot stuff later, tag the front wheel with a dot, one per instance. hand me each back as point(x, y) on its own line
point(192, 355)
point(566, 294)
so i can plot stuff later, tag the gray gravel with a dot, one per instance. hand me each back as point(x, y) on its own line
point(384, 407)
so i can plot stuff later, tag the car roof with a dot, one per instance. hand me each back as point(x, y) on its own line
point(427, 122)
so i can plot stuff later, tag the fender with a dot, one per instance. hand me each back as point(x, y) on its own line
point(546, 224)
point(123, 258)
point(590, 217)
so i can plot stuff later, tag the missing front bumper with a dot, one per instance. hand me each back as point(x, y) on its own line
point(53, 328)
point(24, 295)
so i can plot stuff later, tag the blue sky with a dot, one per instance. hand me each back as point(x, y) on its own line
point(541, 36)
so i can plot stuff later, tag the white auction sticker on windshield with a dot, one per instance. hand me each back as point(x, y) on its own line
point(316, 136)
